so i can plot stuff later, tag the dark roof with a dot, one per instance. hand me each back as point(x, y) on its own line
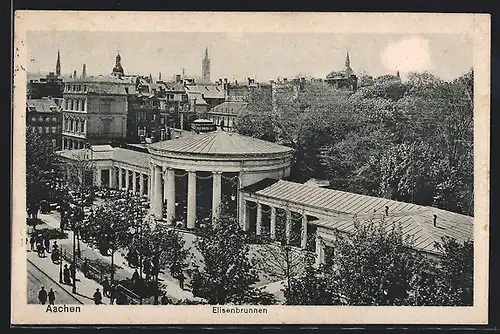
point(220, 142)
point(44, 105)
point(106, 152)
point(259, 185)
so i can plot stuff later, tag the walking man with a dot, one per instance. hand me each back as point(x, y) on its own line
point(97, 297)
point(105, 287)
point(112, 294)
point(181, 278)
point(52, 297)
point(42, 296)
point(67, 275)
point(47, 244)
point(32, 242)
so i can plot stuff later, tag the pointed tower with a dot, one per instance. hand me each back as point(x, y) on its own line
point(159, 76)
point(398, 75)
point(348, 69)
point(58, 64)
point(205, 68)
point(84, 71)
point(118, 69)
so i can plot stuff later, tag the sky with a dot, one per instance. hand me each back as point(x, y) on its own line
point(263, 56)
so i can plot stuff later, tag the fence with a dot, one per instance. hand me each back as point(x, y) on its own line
point(97, 275)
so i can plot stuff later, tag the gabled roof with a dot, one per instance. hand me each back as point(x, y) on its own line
point(220, 142)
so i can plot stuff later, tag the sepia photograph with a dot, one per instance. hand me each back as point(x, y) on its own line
point(183, 168)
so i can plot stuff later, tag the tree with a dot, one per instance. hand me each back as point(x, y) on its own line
point(108, 226)
point(450, 281)
point(226, 275)
point(42, 167)
point(312, 288)
point(374, 265)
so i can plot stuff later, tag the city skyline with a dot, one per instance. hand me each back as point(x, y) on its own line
point(237, 56)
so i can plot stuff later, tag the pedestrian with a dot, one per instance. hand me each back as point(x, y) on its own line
point(181, 278)
point(112, 294)
point(41, 250)
point(135, 277)
point(32, 242)
point(97, 297)
point(164, 298)
point(105, 287)
point(47, 244)
point(52, 297)
point(72, 270)
point(85, 268)
point(42, 296)
point(67, 275)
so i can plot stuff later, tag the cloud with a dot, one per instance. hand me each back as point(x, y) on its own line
point(407, 55)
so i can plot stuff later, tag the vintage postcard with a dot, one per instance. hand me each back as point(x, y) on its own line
point(250, 168)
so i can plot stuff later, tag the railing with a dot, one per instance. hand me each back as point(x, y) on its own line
point(97, 275)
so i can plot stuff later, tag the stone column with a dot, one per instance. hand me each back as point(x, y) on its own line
point(141, 183)
point(158, 194)
point(288, 225)
point(165, 188)
point(151, 181)
point(258, 227)
point(303, 242)
point(97, 178)
point(134, 182)
point(191, 200)
point(320, 251)
point(170, 195)
point(127, 185)
point(273, 222)
point(216, 194)
point(112, 177)
point(120, 178)
point(182, 122)
point(243, 215)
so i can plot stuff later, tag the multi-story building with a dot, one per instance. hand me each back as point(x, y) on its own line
point(95, 111)
point(225, 114)
point(44, 115)
point(143, 118)
point(236, 91)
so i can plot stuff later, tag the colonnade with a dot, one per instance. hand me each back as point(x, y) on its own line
point(140, 181)
point(164, 193)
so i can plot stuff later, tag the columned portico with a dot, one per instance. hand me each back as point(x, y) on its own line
point(134, 182)
point(141, 184)
point(211, 167)
point(120, 178)
point(258, 228)
point(127, 179)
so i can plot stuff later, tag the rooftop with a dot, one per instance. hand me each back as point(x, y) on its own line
point(416, 220)
point(220, 142)
point(106, 152)
point(229, 107)
point(43, 105)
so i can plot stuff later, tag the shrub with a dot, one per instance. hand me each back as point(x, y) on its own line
point(53, 233)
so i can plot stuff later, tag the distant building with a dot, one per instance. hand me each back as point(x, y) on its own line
point(345, 79)
point(143, 118)
point(95, 111)
point(49, 86)
point(225, 114)
point(205, 67)
point(241, 91)
point(44, 115)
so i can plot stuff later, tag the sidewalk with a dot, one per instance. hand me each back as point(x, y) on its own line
point(85, 287)
point(173, 290)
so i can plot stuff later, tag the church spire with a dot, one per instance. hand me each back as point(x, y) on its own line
point(205, 67)
point(347, 60)
point(118, 69)
point(58, 64)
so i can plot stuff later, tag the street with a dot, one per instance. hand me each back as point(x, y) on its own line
point(37, 279)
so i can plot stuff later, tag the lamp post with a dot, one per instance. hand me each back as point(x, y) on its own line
point(59, 252)
point(73, 271)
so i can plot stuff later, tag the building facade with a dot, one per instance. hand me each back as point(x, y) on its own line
point(345, 79)
point(49, 86)
point(143, 118)
point(225, 114)
point(45, 116)
point(95, 111)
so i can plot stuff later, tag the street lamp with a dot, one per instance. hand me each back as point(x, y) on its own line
point(59, 252)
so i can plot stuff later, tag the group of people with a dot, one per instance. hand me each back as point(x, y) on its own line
point(41, 244)
point(43, 296)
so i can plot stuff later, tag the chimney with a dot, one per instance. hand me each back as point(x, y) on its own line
point(386, 210)
point(178, 78)
point(74, 74)
point(249, 81)
point(84, 71)
point(435, 220)
point(225, 80)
